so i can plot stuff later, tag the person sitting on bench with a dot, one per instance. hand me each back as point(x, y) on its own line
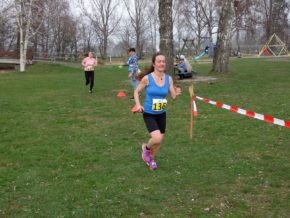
point(184, 65)
point(181, 66)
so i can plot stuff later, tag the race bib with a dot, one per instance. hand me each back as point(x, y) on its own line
point(90, 68)
point(159, 104)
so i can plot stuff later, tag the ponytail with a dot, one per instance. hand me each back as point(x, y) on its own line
point(150, 69)
point(146, 71)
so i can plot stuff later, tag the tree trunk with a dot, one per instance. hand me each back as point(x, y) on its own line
point(26, 14)
point(138, 47)
point(166, 33)
point(238, 22)
point(222, 51)
point(24, 35)
point(21, 50)
point(269, 27)
point(105, 47)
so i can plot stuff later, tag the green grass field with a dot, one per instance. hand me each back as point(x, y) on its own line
point(66, 153)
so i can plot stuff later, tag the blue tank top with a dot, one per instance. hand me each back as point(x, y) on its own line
point(155, 100)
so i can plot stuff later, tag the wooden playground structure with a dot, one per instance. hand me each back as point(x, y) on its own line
point(274, 47)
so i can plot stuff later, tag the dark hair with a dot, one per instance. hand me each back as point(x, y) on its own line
point(150, 69)
point(87, 53)
point(132, 49)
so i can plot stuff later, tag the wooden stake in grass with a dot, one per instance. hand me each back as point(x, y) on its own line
point(192, 99)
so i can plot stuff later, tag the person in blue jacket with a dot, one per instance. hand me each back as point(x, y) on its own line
point(133, 68)
point(184, 65)
point(157, 85)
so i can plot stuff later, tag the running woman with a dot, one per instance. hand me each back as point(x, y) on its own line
point(89, 63)
point(157, 85)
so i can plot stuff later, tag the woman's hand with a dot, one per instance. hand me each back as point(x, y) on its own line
point(177, 91)
point(139, 108)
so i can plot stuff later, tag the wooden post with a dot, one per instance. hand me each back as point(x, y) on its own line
point(192, 98)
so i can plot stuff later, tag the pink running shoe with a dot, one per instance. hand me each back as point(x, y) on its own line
point(146, 156)
point(152, 165)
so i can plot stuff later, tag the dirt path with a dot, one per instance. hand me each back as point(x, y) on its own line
point(198, 79)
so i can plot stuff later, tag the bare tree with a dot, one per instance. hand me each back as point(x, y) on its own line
point(126, 35)
point(45, 32)
point(86, 36)
point(222, 51)
point(195, 20)
point(276, 17)
point(8, 29)
point(208, 10)
point(258, 20)
point(248, 20)
point(105, 20)
point(57, 33)
point(27, 13)
point(63, 33)
point(166, 33)
point(180, 30)
point(139, 21)
point(153, 24)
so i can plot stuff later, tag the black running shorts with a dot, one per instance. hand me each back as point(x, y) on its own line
point(155, 122)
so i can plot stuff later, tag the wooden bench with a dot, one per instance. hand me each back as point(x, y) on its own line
point(9, 61)
point(183, 75)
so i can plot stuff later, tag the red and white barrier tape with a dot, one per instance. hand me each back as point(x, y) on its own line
point(262, 117)
point(194, 108)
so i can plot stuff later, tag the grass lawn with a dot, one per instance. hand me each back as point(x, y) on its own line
point(66, 153)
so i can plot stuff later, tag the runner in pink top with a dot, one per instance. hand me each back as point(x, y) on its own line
point(89, 63)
